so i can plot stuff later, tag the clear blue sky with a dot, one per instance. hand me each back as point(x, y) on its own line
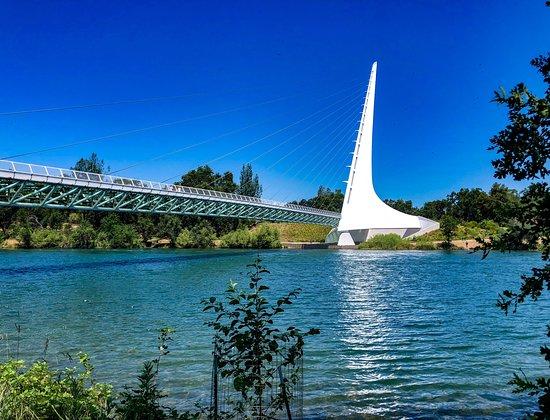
point(439, 62)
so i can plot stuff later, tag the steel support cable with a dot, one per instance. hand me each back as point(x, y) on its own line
point(341, 138)
point(300, 146)
point(210, 139)
point(336, 173)
point(311, 157)
point(297, 134)
point(238, 149)
point(127, 101)
point(152, 127)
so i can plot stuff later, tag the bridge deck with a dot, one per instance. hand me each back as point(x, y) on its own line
point(30, 185)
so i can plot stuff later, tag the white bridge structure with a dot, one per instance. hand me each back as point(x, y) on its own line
point(363, 214)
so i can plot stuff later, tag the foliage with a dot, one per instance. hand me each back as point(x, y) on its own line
point(391, 241)
point(143, 401)
point(265, 237)
point(169, 227)
point(47, 238)
point(91, 164)
point(41, 392)
point(405, 206)
point(205, 177)
point(249, 349)
point(300, 232)
point(448, 227)
point(249, 184)
point(83, 236)
point(325, 200)
point(523, 149)
point(240, 238)
point(201, 235)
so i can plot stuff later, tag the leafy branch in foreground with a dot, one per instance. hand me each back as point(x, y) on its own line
point(249, 349)
point(524, 149)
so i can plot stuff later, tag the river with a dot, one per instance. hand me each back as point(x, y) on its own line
point(411, 334)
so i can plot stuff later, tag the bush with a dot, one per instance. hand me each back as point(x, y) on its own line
point(184, 239)
point(47, 238)
point(125, 236)
point(240, 238)
point(199, 236)
point(391, 241)
point(300, 232)
point(40, 392)
point(425, 246)
point(83, 237)
point(102, 241)
point(265, 237)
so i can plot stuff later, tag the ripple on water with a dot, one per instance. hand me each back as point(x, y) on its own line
point(403, 334)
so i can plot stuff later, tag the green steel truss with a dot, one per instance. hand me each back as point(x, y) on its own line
point(60, 194)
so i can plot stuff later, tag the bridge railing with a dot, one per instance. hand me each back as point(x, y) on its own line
point(112, 180)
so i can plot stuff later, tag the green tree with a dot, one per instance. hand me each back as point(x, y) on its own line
point(249, 184)
point(91, 164)
point(405, 206)
point(169, 226)
point(326, 199)
point(448, 225)
point(435, 209)
point(523, 149)
point(205, 177)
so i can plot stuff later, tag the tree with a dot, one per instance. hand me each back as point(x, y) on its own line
point(405, 206)
point(326, 199)
point(523, 149)
point(91, 164)
point(205, 177)
point(249, 184)
point(435, 209)
point(448, 225)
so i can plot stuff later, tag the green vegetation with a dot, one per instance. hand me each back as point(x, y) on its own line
point(390, 241)
point(39, 392)
point(264, 236)
point(249, 350)
point(300, 232)
point(523, 149)
point(448, 227)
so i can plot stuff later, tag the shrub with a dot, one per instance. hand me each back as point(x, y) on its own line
point(203, 235)
point(425, 246)
point(199, 236)
point(40, 392)
point(391, 241)
point(124, 236)
point(184, 239)
point(265, 237)
point(102, 241)
point(83, 237)
point(47, 238)
point(300, 232)
point(240, 238)
point(23, 235)
point(248, 350)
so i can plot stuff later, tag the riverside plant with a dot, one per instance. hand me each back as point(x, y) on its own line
point(249, 350)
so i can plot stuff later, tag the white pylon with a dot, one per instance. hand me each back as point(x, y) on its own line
point(364, 214)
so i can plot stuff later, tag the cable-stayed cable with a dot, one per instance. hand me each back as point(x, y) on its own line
point(210, 139)
point(337, 120)
point(325, 150)
point(152, 127)
point(257, 140)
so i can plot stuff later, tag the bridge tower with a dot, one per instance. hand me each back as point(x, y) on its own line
point(364, 214)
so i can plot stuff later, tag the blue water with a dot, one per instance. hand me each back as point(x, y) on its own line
point(411, 334)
